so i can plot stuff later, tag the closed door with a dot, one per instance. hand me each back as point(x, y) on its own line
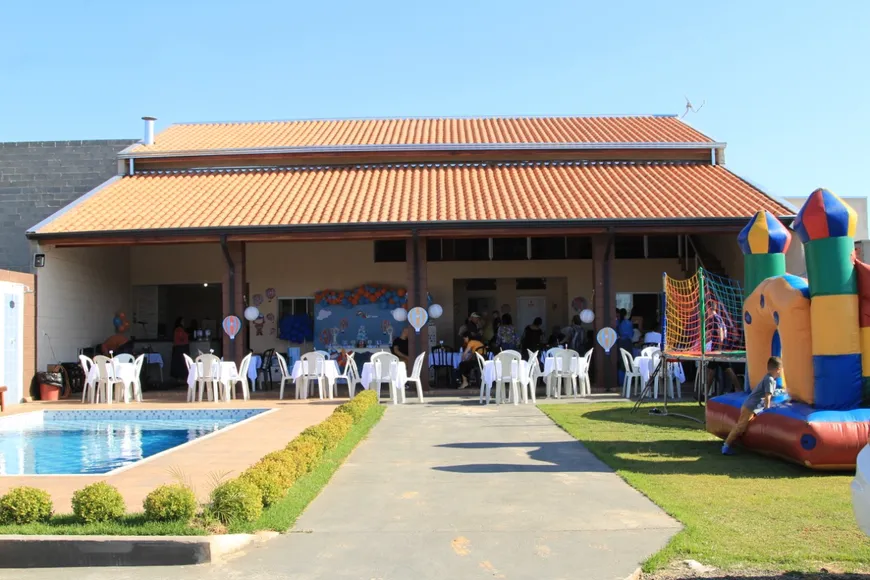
point(11, 354)
point(529, 308)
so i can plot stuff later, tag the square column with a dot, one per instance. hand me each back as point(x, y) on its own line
point(233, 286)
point(604, 306)
point(418, 290)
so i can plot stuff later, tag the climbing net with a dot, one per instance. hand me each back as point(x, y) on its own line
point(718, 301)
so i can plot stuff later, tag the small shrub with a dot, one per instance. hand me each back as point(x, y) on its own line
point(25, 505)
point(343, 420)
point(326, 433)
point(237, 500)
point(285, 464)
point(306, 451)
point(170, 503)
point(98, 502)
point(367, 398)
point(358, 406)
point(267, 481)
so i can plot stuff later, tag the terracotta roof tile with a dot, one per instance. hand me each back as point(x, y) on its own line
point(420, 194)
point(421, 132)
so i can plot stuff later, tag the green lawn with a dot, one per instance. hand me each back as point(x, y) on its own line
point(743, 511)
point(278, 517)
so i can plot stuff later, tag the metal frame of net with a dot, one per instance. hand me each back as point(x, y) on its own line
point(718, 301)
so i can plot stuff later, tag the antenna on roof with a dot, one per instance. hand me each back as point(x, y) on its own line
point(690, 108)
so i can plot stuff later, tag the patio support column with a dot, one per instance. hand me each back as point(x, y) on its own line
point(417, 293)
point(233, 283)
point(604, 305)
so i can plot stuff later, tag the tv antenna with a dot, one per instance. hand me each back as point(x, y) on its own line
point(690, 108)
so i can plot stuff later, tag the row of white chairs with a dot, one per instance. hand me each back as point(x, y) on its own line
point(632, 384)
point(101, 389)
point(567, 370)
point(210, 381)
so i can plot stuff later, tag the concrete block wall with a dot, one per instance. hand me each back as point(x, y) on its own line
point(80, 291)
point(37, 178)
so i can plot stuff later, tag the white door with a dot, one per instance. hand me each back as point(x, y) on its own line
point(529, 308)
point(11, 328)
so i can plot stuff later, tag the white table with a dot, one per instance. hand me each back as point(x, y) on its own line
point(125, 372)
point(489, 376)
point(646, 368)
point(578, 365)
point(330, 371)
point(227, 375)
point(368, 374)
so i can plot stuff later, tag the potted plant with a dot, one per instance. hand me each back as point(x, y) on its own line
point(50, 385)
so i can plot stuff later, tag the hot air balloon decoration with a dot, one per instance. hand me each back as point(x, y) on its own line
point(606, 338)
point(270, 294)
point(417, 318)
point(231, 326)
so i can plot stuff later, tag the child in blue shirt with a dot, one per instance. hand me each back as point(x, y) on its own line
point(758, 400)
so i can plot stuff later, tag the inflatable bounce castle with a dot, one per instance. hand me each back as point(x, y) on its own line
point(820, 326)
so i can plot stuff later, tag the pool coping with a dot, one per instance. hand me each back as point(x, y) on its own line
point(264, 412)
point(17, 551)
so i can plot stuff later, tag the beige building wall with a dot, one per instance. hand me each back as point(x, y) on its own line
point(27, 284)
point(794, 258)
point(79, 292)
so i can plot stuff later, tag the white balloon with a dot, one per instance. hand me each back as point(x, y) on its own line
point(400, 314)
point(435, 311)
point(252, 313)
point(587, 316)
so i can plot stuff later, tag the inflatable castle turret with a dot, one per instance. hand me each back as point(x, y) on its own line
point(820, 326)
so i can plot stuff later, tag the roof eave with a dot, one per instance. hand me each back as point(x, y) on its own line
point(130, 153)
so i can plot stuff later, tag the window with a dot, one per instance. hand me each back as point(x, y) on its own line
point(390, 250)
point(467, 250)
point(433, 250)
point(549, 248)
point(579, 248)
point(628, 247)
point(510, 249)
point(478, 284)
point(293, 306)
point(662, 247)
point(531, 284)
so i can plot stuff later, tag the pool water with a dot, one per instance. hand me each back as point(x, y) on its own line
point(96, 442)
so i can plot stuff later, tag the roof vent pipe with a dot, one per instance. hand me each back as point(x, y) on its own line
point(149, 130)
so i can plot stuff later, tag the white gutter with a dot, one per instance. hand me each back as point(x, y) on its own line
point(127, 153)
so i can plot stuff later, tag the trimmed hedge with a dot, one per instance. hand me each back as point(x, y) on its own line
point(358, 406)
point(98, 502)
point(306, 451)
point(237, 500)
point(170, 503)
point(25, 505)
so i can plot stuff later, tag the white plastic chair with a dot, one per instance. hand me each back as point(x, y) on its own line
point(505, 374)
point(566, 367)
point(534, 375)
point(585, 383)
point(285, 375)
point(208, 368)
point(242, 379)
point(124, 358)
point(632, 374)
point(187, 360)
point(90, 386)
point(136, 384)
point(351, 375)
point(313, 368)
point(648, 351)
point(106, 380)
point(385, 369)
point(481, 362)
point(415, 377)
point(665, 375)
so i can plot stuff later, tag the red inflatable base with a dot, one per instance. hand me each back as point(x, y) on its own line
point(796, 432)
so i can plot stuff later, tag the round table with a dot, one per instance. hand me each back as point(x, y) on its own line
point(227, 374)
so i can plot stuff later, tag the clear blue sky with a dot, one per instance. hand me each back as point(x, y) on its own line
point(785, 83)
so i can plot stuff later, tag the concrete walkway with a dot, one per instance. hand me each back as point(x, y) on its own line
point(449, 490)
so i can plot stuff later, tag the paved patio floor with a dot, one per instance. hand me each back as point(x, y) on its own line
point(454, 490)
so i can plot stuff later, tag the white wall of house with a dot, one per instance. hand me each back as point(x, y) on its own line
point(79, 292)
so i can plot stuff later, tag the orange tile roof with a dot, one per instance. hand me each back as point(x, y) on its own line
point(421, 194)
point(421, 133)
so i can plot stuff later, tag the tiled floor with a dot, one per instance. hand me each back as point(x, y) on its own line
point(228, 452)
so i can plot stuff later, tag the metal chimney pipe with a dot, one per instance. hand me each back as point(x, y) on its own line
point(149, 130)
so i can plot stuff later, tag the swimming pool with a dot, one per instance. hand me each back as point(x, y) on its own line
point(97, 442)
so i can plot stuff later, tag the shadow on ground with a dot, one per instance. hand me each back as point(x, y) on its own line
point(549, 457)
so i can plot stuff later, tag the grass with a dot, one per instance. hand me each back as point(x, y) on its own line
point(746, 511)
point(279, 517)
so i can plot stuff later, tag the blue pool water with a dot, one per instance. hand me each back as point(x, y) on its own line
point(94, 442)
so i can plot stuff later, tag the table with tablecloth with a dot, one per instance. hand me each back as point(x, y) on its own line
point(578, 365)
point(489, 376)
point(227, 374)
point(125, 372)
point(646, 367)
point(368, 373)
point(330, 371)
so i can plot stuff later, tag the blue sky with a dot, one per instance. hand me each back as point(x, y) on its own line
point(785, 83)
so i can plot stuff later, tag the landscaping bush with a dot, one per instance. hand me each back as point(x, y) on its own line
point(170, 503)
point(343, 420)
point(327, 433)
point(285, 464)
point(307, 451)
point(267, 480)
point(237, 500)
point(358, 406)
point(25, 505)
point(98, 502)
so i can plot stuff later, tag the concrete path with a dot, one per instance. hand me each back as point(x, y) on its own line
point(448, 490)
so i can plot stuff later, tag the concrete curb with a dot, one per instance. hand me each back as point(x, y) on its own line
point(78, 551)
point(636, 575)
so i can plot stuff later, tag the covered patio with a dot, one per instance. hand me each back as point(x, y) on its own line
point(207, 220)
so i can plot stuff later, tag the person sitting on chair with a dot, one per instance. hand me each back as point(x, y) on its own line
point(468, 359)
point(400, 346)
